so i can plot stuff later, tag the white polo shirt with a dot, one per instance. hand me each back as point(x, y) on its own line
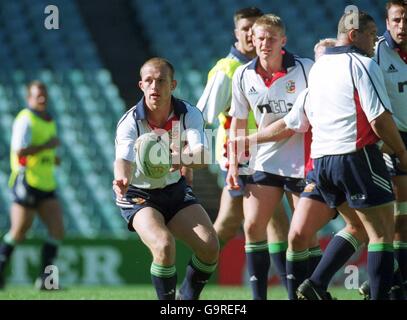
point(186, 121)
point(269, 104)
point(395, 76)
point(346, 93)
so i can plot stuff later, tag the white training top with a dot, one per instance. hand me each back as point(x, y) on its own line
point(297, 119)
point(395, 77)
point(185, 123)
point(217, 95)
point(21, 134)
point(269, 104)
point(346, 93)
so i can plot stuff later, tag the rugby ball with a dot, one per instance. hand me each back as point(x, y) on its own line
point(153, 156)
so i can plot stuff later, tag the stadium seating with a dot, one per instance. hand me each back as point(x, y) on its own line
point(82, 97)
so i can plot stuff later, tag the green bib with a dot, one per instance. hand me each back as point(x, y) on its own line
point(228, 66)
point(40, 167)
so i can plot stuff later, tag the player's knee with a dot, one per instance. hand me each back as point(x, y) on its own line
point(224, 232)
point(254, 230)
point(209, 253)
point(163, 248)
point(358, 231)
point(298, 239)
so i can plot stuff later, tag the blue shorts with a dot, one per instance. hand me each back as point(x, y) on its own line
point(168, 201)
point(28, 196)
point(392, 161)
point(360, 178)
point(293, 185)
point(241, 181)
point(311, 190)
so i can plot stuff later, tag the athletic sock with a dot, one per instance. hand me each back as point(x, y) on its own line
point(338, 251)
point(258, 264)
point(277, 253)
point(164, 279)
point(315, 256)
point(380, 267)
point(197, 276)
point(297, 271)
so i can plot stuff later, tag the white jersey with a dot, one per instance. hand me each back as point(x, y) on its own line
point(269, 104)
point(346, 93)
point(297, 119)
point(188, 123)
point(395, 76)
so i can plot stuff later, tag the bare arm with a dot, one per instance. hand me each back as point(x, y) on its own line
point(275, 131)
point(50, 144)
point(123, 171)
point(190, 159)
point(386, 129)
point(237, 129)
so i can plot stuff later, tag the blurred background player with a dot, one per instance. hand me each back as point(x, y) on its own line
point(160, 210)
point(33, 160)
point(214, 104)
point(349, 116)
point(268, 86)
point(391, 55)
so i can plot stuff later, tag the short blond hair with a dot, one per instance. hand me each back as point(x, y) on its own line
point(158, 62)
point(270, 20)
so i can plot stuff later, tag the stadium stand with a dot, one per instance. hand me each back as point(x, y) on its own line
point(84, 100)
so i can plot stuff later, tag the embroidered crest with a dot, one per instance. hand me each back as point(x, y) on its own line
point(290, 86)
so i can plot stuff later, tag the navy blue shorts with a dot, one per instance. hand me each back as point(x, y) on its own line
point(360, 178)
point(28, 196)
point(168, 201)
point(293, 185)
point(241, 181)
point(311, 190)
point(391, 161)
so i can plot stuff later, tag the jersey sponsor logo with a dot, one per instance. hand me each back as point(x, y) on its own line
point(401, 86)
point(279, 106)
point(290, 86)
point(392, 69)
point(252, 91)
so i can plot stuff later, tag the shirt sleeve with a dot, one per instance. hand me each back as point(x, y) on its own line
point(370, 85)
point(126, 136)
point(194, 129)
point(21, 135)
point(216, 97)
point(296, 119)
point(240, 105)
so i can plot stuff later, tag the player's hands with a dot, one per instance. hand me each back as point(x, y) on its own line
point(175, 157)
point(232, 178)
point(240, 141)
point(120, 187)
point(52, 143)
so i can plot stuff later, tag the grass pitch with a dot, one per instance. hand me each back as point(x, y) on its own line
point(146, 292)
